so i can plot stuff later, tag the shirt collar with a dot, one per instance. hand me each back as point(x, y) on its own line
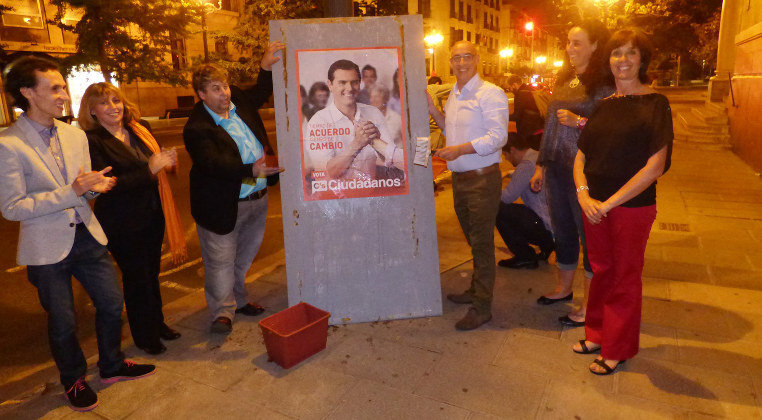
point(45, 132)
point(471, 85)
point(216, 117)
point(337, 115)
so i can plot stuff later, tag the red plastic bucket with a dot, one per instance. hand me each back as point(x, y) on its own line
point(295, 333)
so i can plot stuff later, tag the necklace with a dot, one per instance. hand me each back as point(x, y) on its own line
point(637, 92)
point(574, 82)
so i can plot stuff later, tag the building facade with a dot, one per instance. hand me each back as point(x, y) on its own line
point(494, 26)
point(738, 79)
point(25, 31)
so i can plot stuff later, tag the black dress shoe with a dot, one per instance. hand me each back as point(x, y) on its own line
point(250, 309)
point(461, 298)
point(570, 322)
point(167, 333)
point(154, 349)
point(517, 263)
point(544, 254)
point(222, 325)
point(543, 300)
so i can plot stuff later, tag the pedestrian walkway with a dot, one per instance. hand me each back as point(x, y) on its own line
point(701, 341)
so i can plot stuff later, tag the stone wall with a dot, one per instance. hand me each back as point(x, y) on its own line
point(745, 124)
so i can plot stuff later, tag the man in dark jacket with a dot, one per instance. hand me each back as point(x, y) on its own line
point(529, 121)
point(227, 143)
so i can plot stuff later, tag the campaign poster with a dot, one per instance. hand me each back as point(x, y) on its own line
point(353, 127)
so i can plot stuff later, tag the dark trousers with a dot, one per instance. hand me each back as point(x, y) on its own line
point(477, 198)
point(519, 226)
point(89, 263)
point(138, 255)
point(617, 248)
point(566, 217)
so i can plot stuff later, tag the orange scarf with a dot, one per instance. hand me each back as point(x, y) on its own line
point(175, 232)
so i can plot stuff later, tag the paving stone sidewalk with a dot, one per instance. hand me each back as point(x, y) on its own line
point(701, 341)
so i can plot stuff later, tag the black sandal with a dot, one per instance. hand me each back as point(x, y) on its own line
point(585, 350)
point(608, 369)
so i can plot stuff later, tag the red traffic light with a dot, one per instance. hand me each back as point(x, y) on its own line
point(529, 26)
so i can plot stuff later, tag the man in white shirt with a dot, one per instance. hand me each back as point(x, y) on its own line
point(476, 127)
point(339, 138)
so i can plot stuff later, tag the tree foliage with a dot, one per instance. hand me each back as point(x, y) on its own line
point(380, 7)
point(688, 28)
point(127, 39)
point(250, 37)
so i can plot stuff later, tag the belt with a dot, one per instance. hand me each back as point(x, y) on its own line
point(256, 195)
point(477, 172)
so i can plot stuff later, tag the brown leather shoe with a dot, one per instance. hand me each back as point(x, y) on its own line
point(462, 298)
point(473, 320)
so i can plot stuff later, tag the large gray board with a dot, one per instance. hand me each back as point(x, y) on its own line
point(362, 259)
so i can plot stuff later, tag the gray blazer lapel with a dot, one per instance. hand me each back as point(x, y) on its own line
point(32, 137)
point(72, 155)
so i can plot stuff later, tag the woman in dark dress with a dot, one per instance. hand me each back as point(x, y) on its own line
point(133, 213)
point(625, 146)
point(580, 86)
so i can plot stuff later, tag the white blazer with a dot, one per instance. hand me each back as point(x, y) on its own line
point(33, 191)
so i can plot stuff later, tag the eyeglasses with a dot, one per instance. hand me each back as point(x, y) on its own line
point(465, 57)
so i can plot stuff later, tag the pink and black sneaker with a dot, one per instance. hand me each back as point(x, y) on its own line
point(81, 397)
point(129, 371)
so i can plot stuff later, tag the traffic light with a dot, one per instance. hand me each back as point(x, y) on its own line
point(529, 26)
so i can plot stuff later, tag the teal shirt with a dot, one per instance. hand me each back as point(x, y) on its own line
point(249, 147)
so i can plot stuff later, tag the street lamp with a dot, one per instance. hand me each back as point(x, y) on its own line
point(432, 40)
point(206, 6)
point(506, 53)
point(529, 26)
point(211, 7)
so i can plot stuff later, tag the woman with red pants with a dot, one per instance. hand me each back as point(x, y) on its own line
point(625, 146)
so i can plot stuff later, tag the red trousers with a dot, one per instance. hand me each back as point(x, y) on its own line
point(616, 248)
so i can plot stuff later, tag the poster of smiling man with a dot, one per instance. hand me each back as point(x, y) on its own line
point(353, 136)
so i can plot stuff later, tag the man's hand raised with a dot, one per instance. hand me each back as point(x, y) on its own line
point(270, 58)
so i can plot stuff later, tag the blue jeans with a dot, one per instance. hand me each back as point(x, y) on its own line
point(566, 217)
point(89, 263)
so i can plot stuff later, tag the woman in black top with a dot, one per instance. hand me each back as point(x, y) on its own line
point(625, 146)
point(133, 213)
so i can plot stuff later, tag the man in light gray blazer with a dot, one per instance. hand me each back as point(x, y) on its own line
point(45, 181)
